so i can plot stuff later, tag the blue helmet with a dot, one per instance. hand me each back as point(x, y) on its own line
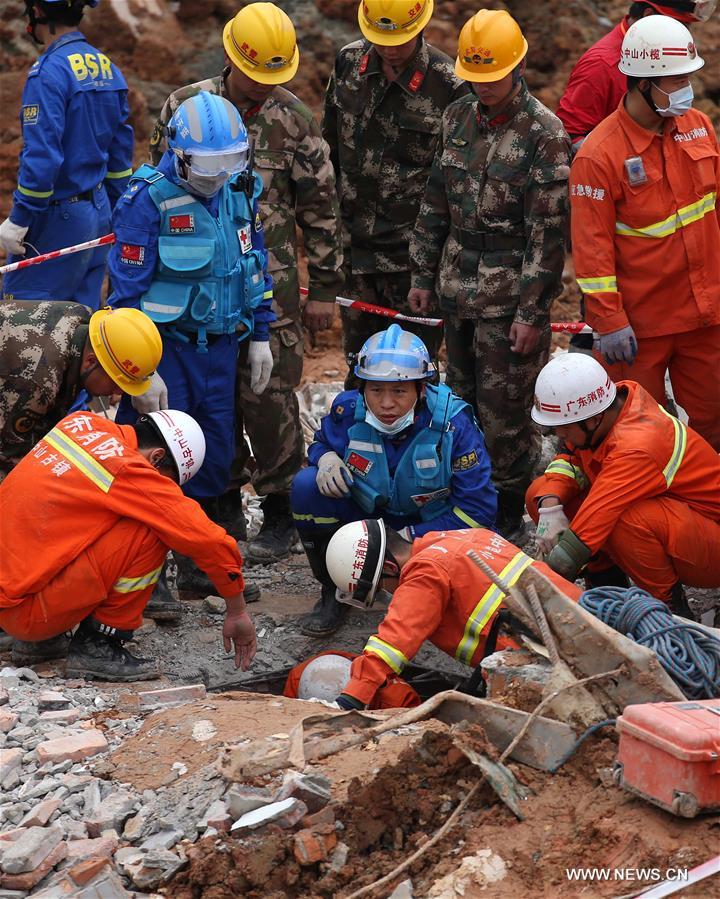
point(208, 135)
point(394, 355)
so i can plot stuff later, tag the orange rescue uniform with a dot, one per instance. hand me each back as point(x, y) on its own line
point(646, 248)
point(395, 693)
point(444, 598)
point(86, 525)
point(648, 496)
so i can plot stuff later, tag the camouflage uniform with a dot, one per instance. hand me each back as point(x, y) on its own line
point(294, 163)
point(41, 347)
point(382, 138)
point(490, 239)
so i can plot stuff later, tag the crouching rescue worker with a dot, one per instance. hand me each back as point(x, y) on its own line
point(435, 593)
point(92, 511)
point(53, 353)
point(632, 483)
point(75, 160)
point(324, 675)
point(398, 447)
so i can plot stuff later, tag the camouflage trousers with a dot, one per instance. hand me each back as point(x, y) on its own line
point(388, 289)
point(499, 385)
point(272, 420)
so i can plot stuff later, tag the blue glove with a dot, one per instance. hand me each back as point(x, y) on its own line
point(619, 346)
point(349, 703)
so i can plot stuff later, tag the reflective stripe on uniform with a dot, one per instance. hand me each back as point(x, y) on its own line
point(463, 516)
point(678, 453)
point(680, 219)
point(268, 295)
point(80, 459)
point(365, 447)
point(388, 653)
point(41, 194)
point(125, 174)
point(130, 584)
point(567, 470)
point(598, 285)
point(485, 609)
point(310, 517)
point(174, 202)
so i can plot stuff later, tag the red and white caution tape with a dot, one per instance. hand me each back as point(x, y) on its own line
point(105, 240)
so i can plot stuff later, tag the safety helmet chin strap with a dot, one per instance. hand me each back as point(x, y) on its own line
point(34, 20)
point(647, 97)
point(589, 434)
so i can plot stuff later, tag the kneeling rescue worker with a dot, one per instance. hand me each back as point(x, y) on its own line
point(397, 447)
point(96, 506)
point(632, 483)
point(435, 593)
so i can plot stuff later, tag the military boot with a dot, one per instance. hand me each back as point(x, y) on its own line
point(231, 515)
point(164, 604)
point(328, 614)
point(31, 652)
point(679, 604)
point(96, 654)
point(511, 517)
point(277, 535)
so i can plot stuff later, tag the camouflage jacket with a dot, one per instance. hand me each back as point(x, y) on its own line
point(41, 345)
point(382, 137)
point(294, 163)
point(491, 233)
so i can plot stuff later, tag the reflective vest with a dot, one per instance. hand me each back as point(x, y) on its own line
point(209, 279)
point(421, 483)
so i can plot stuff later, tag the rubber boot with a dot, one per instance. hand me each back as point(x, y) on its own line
point(164, 604)
point(607, 577)
point(328, 614)
point(93, 654)
point(231, 515)
point(679, 604)
point(277, 535)
point(31, 652)
point(510, 517)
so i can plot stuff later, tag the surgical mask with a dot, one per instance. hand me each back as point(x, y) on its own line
point(679, 102)
point(398, 425)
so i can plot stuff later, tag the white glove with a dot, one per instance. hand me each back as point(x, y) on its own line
point(155, 397)
point(333, 477)
point(551, 524)
point(11, 238)
point(261, 365)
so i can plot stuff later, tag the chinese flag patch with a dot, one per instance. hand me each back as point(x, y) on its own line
point(359, 464)
point(182, 224)
point(132, 254)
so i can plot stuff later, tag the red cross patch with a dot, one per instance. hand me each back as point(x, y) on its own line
point(182, 224)
point(131, 254)
point(245, 239)
point(415, 82)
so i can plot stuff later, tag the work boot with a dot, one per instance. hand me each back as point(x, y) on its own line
point(93, 654)
point(277, 535)
point(607, 577)
point(511, 517)
point(326, 617)
point(191, 579)
point(231, 515)
point(679, 604)
point(31, 652)
point(164, 604)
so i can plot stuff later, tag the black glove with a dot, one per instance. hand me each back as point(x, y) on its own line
point(349, 703)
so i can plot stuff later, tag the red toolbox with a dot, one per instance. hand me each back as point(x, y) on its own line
point(669, 753)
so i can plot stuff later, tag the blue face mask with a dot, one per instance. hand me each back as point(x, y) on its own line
point(679, 102)
point(398, 425)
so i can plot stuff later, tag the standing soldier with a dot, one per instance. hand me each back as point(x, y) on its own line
point(382, 114)
point(646, 237)
point(298, 190)
point(75, 161)
point(490, 240)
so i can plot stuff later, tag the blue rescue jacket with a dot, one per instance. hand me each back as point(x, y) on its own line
point(435, 475)
point(209, 279)
point(74, 126)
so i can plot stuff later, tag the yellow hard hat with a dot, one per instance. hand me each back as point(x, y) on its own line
point(393, 22)
point(261, 42)
point(491, 45)
point(128, 346)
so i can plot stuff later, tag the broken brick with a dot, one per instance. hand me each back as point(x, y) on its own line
point(76, 748)
point(314, 845)
point(27, 880)
point(171, 696)
point(324, 816)
point(61, 716)
point(101, 847)
point(8, 720)
point(41, 814)
point(82, 872)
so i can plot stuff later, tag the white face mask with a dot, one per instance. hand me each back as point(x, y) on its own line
point(679, 102)
point(398, 425)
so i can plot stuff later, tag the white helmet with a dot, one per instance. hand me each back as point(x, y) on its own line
point(354, 560)
point(324, 678)
point(656, 46)
point(571, 387)
point(184, 438)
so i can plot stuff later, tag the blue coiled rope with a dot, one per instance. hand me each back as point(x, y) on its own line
point(690, 655)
